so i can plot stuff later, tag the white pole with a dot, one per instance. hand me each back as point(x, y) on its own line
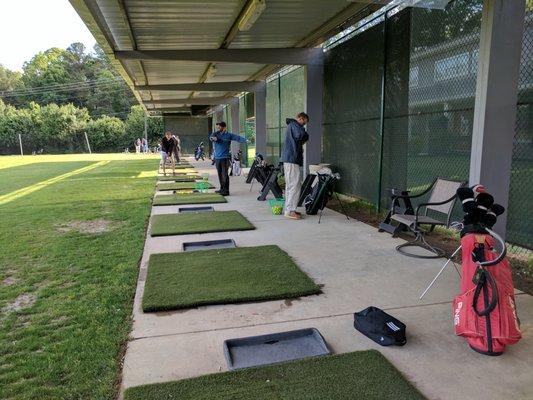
point(20, 142)
point(146, 127)
point(87, 140)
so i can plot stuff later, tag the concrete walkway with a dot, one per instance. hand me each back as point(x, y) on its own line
point(357, 267)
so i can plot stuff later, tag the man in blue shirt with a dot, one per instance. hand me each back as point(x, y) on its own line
point(221, 142)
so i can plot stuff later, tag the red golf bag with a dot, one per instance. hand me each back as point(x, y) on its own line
point(485, 313)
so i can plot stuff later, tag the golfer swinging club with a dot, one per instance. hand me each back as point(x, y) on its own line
point(292, 158)
point(168, 144)
point(221, 140)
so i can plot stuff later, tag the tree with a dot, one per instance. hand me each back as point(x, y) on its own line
point(9, 80)
point(433, 27)
point(135, 126)
point(46, 70)
point(87, 80)
point(106, 134)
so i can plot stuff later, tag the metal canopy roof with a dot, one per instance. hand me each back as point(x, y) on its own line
point(148, 36)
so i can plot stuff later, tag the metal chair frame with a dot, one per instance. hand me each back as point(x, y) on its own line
point(417, 221)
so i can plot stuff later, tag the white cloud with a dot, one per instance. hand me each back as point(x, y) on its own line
point(30, 26)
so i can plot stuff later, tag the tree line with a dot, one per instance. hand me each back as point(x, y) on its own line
point(61, 129)
point(60, 95)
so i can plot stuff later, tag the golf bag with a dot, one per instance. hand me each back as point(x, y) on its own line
point(199, 152)
point(236, 164)
point(258, 162)
point(485, 313)
point(320, 194)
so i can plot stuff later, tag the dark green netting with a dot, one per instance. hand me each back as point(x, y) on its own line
point(273, 121)
point(191, 131)
point(285, 98)
point(352, 110)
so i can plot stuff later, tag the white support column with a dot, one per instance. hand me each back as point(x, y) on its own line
point(496, 98)
point(314, 106)
point(260, 120)
point(20, 143)
point(235, 146)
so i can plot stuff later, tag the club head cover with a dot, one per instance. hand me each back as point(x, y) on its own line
point(477, 189)
point(485, 200)
point(466, 196)
point(493, 212)
point(489, 219)
point(497, 209)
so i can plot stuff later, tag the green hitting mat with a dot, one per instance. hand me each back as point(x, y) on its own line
point(222, 276)
point(184, 185)
point(199, 222)
point(192, 198)
point(361, 375)
point(177, 178)
point(179, 171)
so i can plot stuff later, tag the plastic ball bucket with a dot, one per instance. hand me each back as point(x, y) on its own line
point(276, 206)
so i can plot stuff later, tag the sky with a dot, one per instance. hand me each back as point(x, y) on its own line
point(30, 26)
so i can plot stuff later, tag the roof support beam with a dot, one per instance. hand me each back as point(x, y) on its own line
point(193, 101)
point(288, 56)
point(205, 87)
point(170, 110)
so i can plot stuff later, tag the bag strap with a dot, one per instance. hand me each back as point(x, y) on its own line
point(485, 279)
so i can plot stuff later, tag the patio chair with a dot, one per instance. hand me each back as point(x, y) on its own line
point(442, 197)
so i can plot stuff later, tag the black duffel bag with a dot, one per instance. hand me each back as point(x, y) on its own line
point(379, 326)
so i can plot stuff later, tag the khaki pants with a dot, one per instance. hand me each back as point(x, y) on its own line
point(293, 185)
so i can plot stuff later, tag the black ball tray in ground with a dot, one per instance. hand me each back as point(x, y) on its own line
point(209, 245)
point(274, 348)
point(195, 209)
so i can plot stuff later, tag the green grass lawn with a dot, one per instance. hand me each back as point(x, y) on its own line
point(193, 198)
point(18, 177)
point(68, 268)
point(220, 276)
point(183, 185)
point(199, 222)
point(362, 375)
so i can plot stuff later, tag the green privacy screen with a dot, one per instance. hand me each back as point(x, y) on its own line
point(285, 99)
point(191, 131)
point(352, 109)
point(430, 63)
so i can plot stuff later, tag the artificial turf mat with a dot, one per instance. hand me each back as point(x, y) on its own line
point(362, 375)
point(181, 185)
point(193, 198)
point(221, 276)
point(199, 222)
point(179, 178)
point(179, 171)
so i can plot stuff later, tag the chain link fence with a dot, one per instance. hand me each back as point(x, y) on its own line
point(285, 99)
point(520, 229)
point(413, 123)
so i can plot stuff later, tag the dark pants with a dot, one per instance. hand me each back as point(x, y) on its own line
point(223, 165)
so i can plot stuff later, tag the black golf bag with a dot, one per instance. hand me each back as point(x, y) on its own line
point(199, 152)
point(258, 161)
point(321, 193)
